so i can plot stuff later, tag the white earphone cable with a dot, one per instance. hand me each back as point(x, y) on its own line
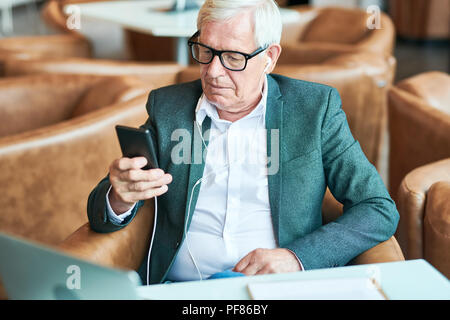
point(151, 241)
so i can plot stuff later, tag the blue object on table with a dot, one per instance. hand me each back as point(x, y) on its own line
point(226, 274)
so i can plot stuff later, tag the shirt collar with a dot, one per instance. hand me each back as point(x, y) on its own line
point(206, 108)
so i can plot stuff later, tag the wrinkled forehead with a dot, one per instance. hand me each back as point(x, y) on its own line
point(235, 33)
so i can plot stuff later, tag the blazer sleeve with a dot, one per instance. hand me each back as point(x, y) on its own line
point(97, 207)
point(370, 215)
point(96, 210)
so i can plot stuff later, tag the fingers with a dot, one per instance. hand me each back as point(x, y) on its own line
point(251, 263)
point(140, 180)
point(132, 184)
point(263, 261)
point(123, 164)
point(266, 270)
point(133, 197)
point(243, 263)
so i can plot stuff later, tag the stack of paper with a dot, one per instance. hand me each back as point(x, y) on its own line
point(324, 289)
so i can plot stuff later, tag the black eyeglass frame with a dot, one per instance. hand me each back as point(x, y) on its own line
point(219, 53)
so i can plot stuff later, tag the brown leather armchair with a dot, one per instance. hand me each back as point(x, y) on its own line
point(419, 124)
point(324, 32)
point(424, 206)
point(157, 74)
point(57, 139)
point(359, 78)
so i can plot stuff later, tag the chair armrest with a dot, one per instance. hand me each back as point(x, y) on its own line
point(123, 249)
point(412, 199)
point(436, 227)
point(331, 208)
point(387, 251)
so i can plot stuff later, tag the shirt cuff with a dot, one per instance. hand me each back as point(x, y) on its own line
point(301, 264)
point(116, 218)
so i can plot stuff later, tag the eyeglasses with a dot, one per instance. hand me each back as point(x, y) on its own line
point(232, 60)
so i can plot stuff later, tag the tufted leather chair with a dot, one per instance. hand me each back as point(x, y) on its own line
point(56, 141)
point(419, 124)
point(324, 32)
point(424, 207)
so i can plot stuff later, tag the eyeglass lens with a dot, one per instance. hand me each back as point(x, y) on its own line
point(231, 60)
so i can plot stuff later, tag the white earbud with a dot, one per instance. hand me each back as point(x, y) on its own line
point(269, 61)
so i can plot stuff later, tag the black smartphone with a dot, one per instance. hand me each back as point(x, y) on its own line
point(136, 142)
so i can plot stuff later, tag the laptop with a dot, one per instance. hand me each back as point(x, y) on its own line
point(30, 271)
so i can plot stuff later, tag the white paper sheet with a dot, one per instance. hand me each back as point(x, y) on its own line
point(325, 289)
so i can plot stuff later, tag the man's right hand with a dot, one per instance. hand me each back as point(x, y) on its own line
point(130, 183)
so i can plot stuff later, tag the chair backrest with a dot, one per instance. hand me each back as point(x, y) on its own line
point(154, 74)
point(47, 173)
point(324, 32)
point(48, 46)
point(419, 124)
point(36, 101)
point(337, 25)
point(432, 87)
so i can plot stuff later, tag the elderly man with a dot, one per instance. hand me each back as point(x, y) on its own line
point(220, 214)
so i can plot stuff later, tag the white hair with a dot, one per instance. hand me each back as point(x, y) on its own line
point(266, 17)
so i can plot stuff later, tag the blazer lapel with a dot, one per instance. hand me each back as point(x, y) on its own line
point(274, 126)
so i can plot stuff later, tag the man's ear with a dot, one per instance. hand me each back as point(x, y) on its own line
point(273, 52)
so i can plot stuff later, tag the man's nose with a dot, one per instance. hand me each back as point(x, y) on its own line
point(215, 67)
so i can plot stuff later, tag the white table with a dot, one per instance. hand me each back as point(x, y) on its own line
point(152, 17)
point(402, 280)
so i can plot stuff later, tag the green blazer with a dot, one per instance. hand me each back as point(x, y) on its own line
point(316, 150)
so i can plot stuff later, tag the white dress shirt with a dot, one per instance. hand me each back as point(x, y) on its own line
point(232, 215)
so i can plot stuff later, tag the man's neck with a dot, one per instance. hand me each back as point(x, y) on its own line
point(234, 116)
